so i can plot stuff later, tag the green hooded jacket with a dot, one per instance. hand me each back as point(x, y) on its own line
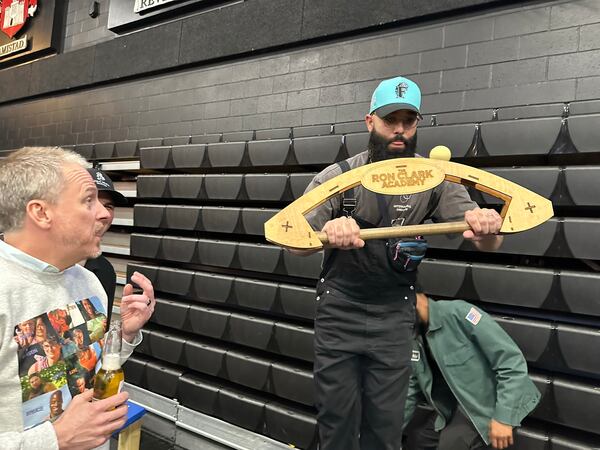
point(483, 367)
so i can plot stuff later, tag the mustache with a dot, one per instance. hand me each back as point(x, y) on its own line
point(399, 138)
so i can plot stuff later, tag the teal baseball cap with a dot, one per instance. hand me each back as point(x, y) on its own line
point(395, 94)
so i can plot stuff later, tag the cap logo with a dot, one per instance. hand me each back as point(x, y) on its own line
point(100, 177)
point(401, 89)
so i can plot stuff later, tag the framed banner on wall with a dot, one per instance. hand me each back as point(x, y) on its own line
point(29, 29)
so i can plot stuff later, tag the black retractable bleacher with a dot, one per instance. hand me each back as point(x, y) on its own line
point(236, 312)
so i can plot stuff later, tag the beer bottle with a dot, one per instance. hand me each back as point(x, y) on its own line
point(110, 377)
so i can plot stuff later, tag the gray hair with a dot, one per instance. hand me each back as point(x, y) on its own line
point(31, 173)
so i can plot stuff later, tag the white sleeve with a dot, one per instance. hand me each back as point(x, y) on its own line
point(41, 437)
point(128, 347)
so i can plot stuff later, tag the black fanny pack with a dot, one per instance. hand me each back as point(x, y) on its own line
point(406, 254)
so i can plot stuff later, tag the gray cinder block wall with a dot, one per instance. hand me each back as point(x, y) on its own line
point(543, 52)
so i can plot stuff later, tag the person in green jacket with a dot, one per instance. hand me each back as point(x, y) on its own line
point(471, 372)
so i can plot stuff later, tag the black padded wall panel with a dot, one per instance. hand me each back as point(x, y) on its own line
point(251, 331)
point(520, 137)
point(356, 143)
point(579, 289)
point(293, 383)
point(182, 217)
point(104, 150)
point(211, 287)
point(298, 301)
point(174, 281)
point(85, 150)
point(151, 185)
point(577, 346)
point(148, 215)
point(205, 358)
point(530, 440)
point(216, 253)
point(576, 405)
point(223, 186)
point(145, 245)
point(167, 347)
point(303, 266)
point(253, 219)
point(188, 156)
point(258, 257)
point(583, 237)
point(135, 370)
point(208, 321)
point(288, 425)
point(317, 150)
point(151, 272)
point(247, 370)
point(220, 219)
point(294, 340)
point(457, 138)
point(583, 184)
point(170, 313)
point(266, 187)
point(512, 285)
point(585, 132)
point(541, 180)
point(126, 149)
point(179, 248)
point(532, 337)
point(255, 294)
point(130, 53)
point(155, 157)
point(196, 394)
point(162, 379)
point(185, 186)
point(242, 409)
point(269, 152)
point(299, 182)
point(144, 346)
point(441, 277)
point(226, 154)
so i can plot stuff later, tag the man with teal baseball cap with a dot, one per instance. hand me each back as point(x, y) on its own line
point(393, 117)
point(395, 94)
point(366, 292)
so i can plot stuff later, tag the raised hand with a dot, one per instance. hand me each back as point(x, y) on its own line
point(136, 309)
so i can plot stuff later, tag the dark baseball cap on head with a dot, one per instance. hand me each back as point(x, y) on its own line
point(105, 184)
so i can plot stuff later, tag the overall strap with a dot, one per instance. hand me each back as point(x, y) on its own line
point(348, 199)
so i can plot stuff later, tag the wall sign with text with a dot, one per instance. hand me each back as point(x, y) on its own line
point(143, 5)
point(29, 29)
point(13, 15)
point(127, 15)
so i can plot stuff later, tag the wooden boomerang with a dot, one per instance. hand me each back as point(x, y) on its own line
point(522, 209)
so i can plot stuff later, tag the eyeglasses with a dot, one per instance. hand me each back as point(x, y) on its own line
point(408, 123)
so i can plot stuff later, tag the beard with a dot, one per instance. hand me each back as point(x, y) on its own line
point(378, 147)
